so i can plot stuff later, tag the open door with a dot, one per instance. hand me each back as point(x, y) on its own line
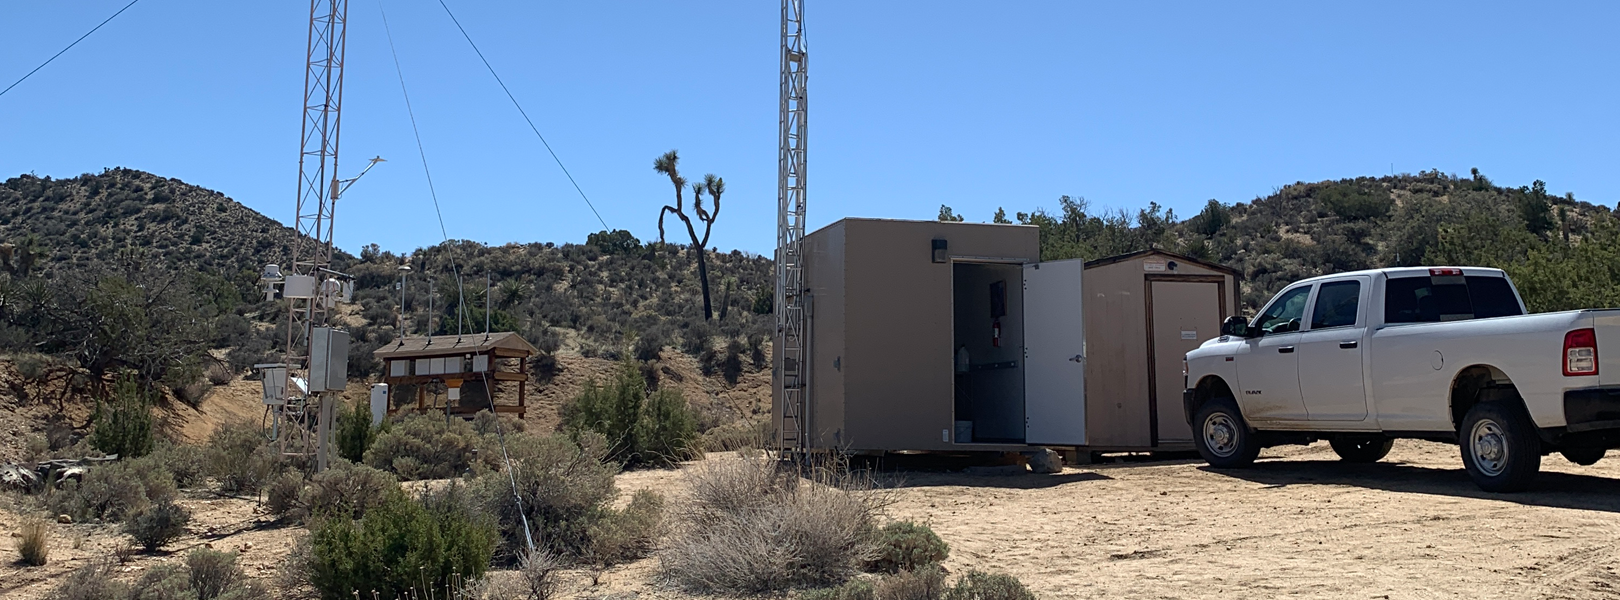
point(1054, 354)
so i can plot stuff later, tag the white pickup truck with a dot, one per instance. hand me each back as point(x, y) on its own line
point(1445, 354)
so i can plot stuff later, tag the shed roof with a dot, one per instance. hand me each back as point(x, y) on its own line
point(1155, 251)
point(452, 345)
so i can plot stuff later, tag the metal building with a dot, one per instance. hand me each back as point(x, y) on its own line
point(1144, 311)
point(951, 337)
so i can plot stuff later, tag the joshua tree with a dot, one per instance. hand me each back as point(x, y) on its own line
point(668, 165)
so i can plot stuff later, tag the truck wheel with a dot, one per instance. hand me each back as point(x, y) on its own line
point(1500, 447)
point(1223, 437)
point(1585, 457)
point(1361, 449)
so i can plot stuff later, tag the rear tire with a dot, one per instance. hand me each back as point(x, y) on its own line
point(1500, 447)
point(1585, 457)
point(1361, 449)
point(1222, 435)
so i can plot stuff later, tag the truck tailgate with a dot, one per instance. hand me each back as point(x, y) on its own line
point(1607, 324)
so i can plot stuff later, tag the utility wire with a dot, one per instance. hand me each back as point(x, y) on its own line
point(525, 114)
point(69, 47)
point(450, 252)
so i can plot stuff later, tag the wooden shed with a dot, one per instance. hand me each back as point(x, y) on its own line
point(1143, 312)
point(459, 374)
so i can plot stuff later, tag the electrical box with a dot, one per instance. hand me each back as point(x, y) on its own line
point(275, 383)
point(298, 286)
point(481, 363)
point(379, 402)
point(328, 360)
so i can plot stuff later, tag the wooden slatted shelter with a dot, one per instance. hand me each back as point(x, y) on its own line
point(418, 368)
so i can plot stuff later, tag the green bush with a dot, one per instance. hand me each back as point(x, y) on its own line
point(977, 585)
point(355, 432)
point(241, 458)
point(927, 583)
point(115, 491)
point(281, 497)
point(398, 545)
point(213, 573)
point(424, 447)
point(854, 589)
point(907, 546)
point(564, 484)
point(188, 464)
point(163, 582)
point(123, 423)
point(347, 489)
point(158, 525)
point(642, 429)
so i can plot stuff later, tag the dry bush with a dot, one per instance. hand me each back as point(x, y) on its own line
point(34, 542)
point(188, 464)
point(620, 536)
point(539, 572)
point(854, 589)
point(978, 585)
point(93, 581)
point(564, 484)
point(240, 457)
point(220, 373)
point(740, 435)
point(158, 525)
point(213, 573)
point(113, 492)
point(907, 546)
point(292, 579)
point(281, 496)
point(750, 527)
point(162, 582)
point(927, 583)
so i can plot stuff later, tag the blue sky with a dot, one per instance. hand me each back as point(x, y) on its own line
point(971, 104)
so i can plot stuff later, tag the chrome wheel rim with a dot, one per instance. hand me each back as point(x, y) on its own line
point(1489, 446)
point(1221, 435)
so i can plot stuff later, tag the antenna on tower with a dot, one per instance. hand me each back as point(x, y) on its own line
point(791, 317)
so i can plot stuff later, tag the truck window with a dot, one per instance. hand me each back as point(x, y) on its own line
point(1447, 298)
point(1284, 314)
point(1492, 297)
point(1336, 304)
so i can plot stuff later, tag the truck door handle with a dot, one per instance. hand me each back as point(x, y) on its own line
point(1285, 349)
point(1347, 344)
point(1079, 358)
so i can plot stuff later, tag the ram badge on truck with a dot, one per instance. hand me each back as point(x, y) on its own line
point(1445, 353)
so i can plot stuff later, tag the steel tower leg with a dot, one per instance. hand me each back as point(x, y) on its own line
point(792, 318)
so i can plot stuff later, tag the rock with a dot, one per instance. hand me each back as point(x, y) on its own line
point(64, 519)
point(1045, 460)
point(17, 478)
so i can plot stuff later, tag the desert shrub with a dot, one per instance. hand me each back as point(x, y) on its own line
point(396, 546)
point(731, 366)
point(927, 583)
point(115, 491)
point(94, 581)
point(1354, 203)
point(697, 338)
point(649, 344)
point(854, 589)
point(213, 573)
point(642, 429)
point(123, 422)
point(34, 542)
point(158, 525)
point(240, 458)
point(538, 572)
point(281, 495)
point(746, 527)
point(33, 366)
point(355, 432)
point(742, 434)
point(424, 447)
point(620, 536)
point(907, 546)
point(977, 585)
point(162, 582)
point(756, 352)
point(563, 483)
point(219, 373)
point(485, 423)
point(188, 464)
point(347, 489)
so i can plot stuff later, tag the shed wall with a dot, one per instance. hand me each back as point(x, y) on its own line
point(897, 359)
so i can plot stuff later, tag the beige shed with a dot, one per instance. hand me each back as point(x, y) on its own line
point(1143, 312)
point(939, 336)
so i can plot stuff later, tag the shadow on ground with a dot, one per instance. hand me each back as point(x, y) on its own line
point(1556, 490)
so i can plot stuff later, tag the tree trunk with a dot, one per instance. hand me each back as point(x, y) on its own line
point(703, 281)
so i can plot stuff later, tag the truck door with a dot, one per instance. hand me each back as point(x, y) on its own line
point(1330, 368)
point(1054, 354)
point(1269, 371)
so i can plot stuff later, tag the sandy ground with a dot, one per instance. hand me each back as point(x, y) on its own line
point(1299, 524)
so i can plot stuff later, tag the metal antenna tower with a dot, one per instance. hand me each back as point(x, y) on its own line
point(318, 189)
point(792, 318)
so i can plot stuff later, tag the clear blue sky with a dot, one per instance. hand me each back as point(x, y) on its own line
point(972, 104)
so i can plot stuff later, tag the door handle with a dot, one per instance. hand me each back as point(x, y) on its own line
point(1347, 344)
point(1079, 358)
point(1285, 349)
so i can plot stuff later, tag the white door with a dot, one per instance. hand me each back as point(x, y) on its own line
point(1054, 354)
point(1268, 371)
point(1330, 353)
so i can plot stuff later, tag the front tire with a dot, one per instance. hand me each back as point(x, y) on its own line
point(1500, 447)
point(1361, 449)
point(1223, 437)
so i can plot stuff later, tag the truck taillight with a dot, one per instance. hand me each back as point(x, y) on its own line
point(1580, 353)
point(1444, 272)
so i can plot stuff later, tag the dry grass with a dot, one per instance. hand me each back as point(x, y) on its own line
point(749, 526)
point(34, 542)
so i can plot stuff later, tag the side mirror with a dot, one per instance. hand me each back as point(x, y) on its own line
point(1235, 326)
